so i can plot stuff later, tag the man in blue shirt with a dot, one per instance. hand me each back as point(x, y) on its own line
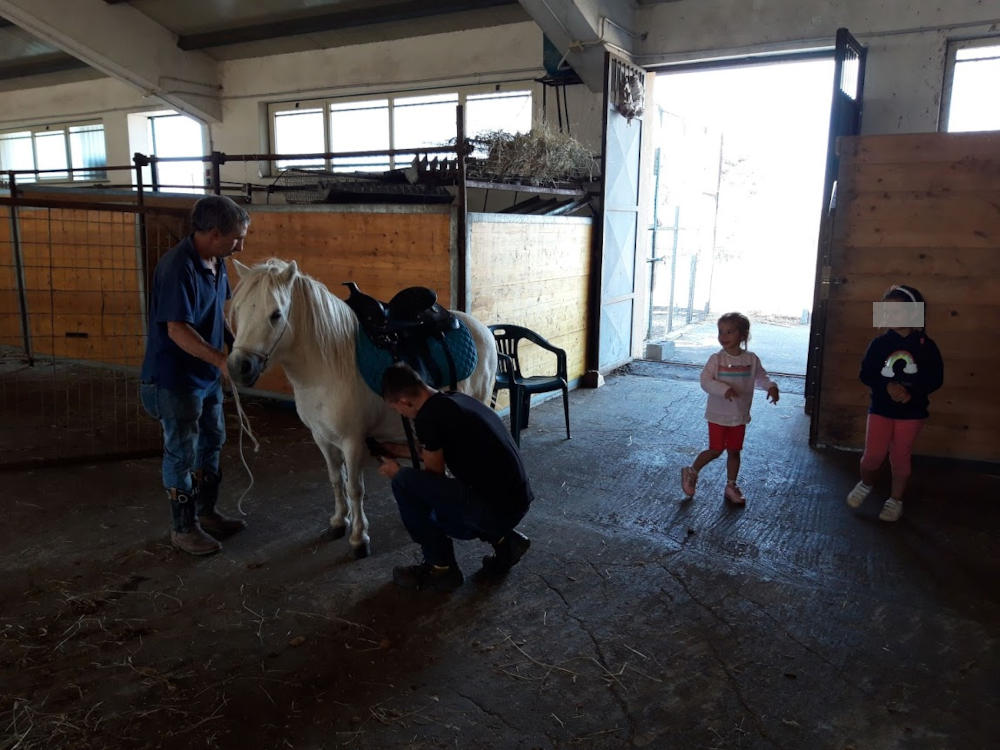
point(184, 366)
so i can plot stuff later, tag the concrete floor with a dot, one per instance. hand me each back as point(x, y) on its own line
point(637, 619)
point(783, 348)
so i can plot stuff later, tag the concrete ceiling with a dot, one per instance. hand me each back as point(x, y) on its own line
point(157, 44)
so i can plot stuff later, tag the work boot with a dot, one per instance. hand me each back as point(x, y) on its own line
point(187, 535)
point(506, 552)
point(428, 576)
point(206, 493)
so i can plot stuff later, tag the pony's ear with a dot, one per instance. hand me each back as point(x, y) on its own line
point(240, 268)
point(289, 273)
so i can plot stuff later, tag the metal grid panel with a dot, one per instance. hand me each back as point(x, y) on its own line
point(72, 331)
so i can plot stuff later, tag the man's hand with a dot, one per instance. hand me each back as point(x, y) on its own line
point(388, 467)
point(189, 340)
point(772, 394)
point(223, 365)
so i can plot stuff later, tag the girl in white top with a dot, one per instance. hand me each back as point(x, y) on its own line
point(729, 378)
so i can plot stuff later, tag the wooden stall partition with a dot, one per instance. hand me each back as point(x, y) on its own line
point(381, 248)
point(82, 285)
point(533, 271)
point(922, 210)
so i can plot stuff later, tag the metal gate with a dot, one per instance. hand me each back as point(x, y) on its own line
point(73, 280)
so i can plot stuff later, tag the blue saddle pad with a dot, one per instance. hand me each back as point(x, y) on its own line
point(372, 361)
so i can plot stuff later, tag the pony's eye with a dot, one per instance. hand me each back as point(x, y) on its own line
point(276, 316)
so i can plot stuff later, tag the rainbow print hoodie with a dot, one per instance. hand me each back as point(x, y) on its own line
point(913, 361)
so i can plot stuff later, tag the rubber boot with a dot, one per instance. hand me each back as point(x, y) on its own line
point(187, 535)
point(206, 493)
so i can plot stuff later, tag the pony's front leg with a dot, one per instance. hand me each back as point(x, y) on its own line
point(335, 471)
point(354, 456)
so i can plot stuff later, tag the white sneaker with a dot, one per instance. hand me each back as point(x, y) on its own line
point(857, 496)
point(891, 510)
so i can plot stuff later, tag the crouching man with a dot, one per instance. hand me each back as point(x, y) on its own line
point(487, 497)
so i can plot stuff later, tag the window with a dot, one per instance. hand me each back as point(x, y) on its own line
point(55, 148)
point(360, 126)
point(508, 110)
point(387, 123)
point(299, 131)
point(971, 92)
point(422, 121)
point(172, 135)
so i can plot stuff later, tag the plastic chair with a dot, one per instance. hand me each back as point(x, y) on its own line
point(521, 388)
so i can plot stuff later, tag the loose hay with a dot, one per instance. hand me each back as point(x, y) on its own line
point(543, 156)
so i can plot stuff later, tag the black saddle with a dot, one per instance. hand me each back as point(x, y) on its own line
point(404, 325)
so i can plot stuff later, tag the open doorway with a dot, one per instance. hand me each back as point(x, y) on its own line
point(738, 174)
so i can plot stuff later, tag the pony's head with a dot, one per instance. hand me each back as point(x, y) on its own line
point(259, 313)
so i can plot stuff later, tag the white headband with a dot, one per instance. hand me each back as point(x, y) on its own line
point(904, 290)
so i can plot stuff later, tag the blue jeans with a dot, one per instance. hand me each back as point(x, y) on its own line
point(436, 509)
point(194, 430)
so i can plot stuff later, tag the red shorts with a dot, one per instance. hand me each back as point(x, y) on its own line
point(722, 437)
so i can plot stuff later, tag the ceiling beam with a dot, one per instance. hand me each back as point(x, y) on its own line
point(128, 45)
point(39, 65)
point(407, 10)
point(583, 29)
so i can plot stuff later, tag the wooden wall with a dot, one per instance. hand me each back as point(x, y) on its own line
point(83, 274)
point(922, 210)
point(532, 271)
point(382, 248)
point(84, 282)
point(82, 289)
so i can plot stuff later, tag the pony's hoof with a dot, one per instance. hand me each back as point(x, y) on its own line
point(330, 533)
point(362, 550)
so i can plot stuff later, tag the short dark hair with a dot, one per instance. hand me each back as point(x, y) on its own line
point(401, 380)
point(218, 212)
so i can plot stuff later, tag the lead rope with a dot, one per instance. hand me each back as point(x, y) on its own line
point(244, 428)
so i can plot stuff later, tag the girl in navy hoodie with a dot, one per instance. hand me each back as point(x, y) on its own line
point(901, 367)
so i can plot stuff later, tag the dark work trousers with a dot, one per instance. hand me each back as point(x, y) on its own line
point(436, 509)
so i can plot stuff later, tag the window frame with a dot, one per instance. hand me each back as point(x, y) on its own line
point(66, 176)
point(951, 60)
point(463, 92)
point(150, 119)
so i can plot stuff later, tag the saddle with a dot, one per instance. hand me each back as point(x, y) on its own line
point(404, 327)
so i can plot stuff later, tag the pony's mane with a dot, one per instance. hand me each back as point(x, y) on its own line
point(321, 318)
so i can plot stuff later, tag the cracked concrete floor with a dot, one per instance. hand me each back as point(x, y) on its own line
point(636, 620)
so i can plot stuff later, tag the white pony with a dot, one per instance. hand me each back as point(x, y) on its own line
point(284, 317)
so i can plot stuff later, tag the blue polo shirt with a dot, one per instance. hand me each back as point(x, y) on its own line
point(184, 291)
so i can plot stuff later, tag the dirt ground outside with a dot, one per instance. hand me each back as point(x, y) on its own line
point(637, 619)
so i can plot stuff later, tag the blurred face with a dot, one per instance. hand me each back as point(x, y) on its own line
point(224, 245)
point(729, 335)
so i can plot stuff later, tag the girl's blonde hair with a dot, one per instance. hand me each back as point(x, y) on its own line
point(742, 323)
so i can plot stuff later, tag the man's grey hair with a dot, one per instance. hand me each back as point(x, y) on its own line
point(218, 212)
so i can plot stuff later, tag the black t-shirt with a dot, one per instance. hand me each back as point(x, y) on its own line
point(478, 449)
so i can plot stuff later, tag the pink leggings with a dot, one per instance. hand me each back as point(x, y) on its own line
point(894, 437)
